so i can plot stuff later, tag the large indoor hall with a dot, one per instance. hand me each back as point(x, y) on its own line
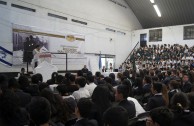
point(96, 62)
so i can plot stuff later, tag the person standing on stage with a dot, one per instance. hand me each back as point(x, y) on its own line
point(36, 51)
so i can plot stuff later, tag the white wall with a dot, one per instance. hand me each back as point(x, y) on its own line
point(170, 35)
point(99, 14)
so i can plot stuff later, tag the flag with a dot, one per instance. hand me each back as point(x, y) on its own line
point(100, 62)
point(5, 56)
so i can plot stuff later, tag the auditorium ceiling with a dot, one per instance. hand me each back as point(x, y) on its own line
point(174, 12)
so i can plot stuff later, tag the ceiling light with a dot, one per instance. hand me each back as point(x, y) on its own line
point(157, 10)
point(152, 1)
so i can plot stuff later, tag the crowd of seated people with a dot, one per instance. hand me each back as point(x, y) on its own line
point(162, 56)
point(84, 99)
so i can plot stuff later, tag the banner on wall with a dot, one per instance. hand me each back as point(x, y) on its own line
point(26, 38)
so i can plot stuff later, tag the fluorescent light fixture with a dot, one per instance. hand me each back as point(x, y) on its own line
point(157, 10)
point(152, 1)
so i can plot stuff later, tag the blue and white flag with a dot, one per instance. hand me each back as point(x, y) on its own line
point(100, 62)
point(6, 56)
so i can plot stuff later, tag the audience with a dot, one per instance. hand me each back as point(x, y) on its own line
point(161, 74)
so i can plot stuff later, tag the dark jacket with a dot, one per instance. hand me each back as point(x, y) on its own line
point(183, 119)
point(129, 106)
point(154, 102)
point(86, 122)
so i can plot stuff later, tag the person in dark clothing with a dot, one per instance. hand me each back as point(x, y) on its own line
point(10, 112)
point(157, 100)
point(83, 111)
point(186, 87)
point(40, 111)
point(179, 106)
point(101, 104)
point(85, 69)
point(121, 95)
point(115, 116)
point(24, 98)
point(160, 116)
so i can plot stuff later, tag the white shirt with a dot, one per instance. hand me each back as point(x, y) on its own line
point(90, 88)
point(139, 109)
point(81, 93)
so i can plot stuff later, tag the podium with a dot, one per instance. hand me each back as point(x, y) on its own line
point(40, 57)
point(44, 66)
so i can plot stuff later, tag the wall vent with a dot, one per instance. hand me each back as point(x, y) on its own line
point(115, 2)
point(120, 32)
point(80, 22)
point(57, 16)
point(23, 8)
point(3, 2)
point(111, 30)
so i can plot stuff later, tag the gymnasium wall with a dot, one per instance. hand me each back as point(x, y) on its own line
point(170, 35)
point(108, 29)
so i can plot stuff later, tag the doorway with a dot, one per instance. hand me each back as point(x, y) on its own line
point(143, 40)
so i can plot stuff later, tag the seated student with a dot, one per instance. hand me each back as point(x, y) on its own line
point(82, 111)
point(82, 92)
point(24, 98)
point(160, 117)
point(115, 116)
point(122, 92)
point(180, 107)
point(40, 111)
point(157, 100)
point(11, 114)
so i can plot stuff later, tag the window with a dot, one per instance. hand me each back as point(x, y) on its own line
point(22, 7)
point(155, 35)
point(3, 2)
point(188, 32)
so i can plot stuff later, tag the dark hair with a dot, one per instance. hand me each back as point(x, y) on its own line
point(161, 115)
point(124, 90)
point(97, 74)
point(39, 110)
point(115, 116)
point(12, 83)
point(174, 84)
point(128, 83)
point(9, 105)
point(108, 80)
point(90, 78)
point(104, 101)
point(168, 72)
point(62, 89)
point(81, 81)
point(84, 106)
point(23, 82)
point(35, 79)
point(39, 77)
point(179, 102)
point(112, 75)
point(148, 79)
point(138, 82)
point(157, 86)
point(58, 106)
point(72, 78)
point(79, 73)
